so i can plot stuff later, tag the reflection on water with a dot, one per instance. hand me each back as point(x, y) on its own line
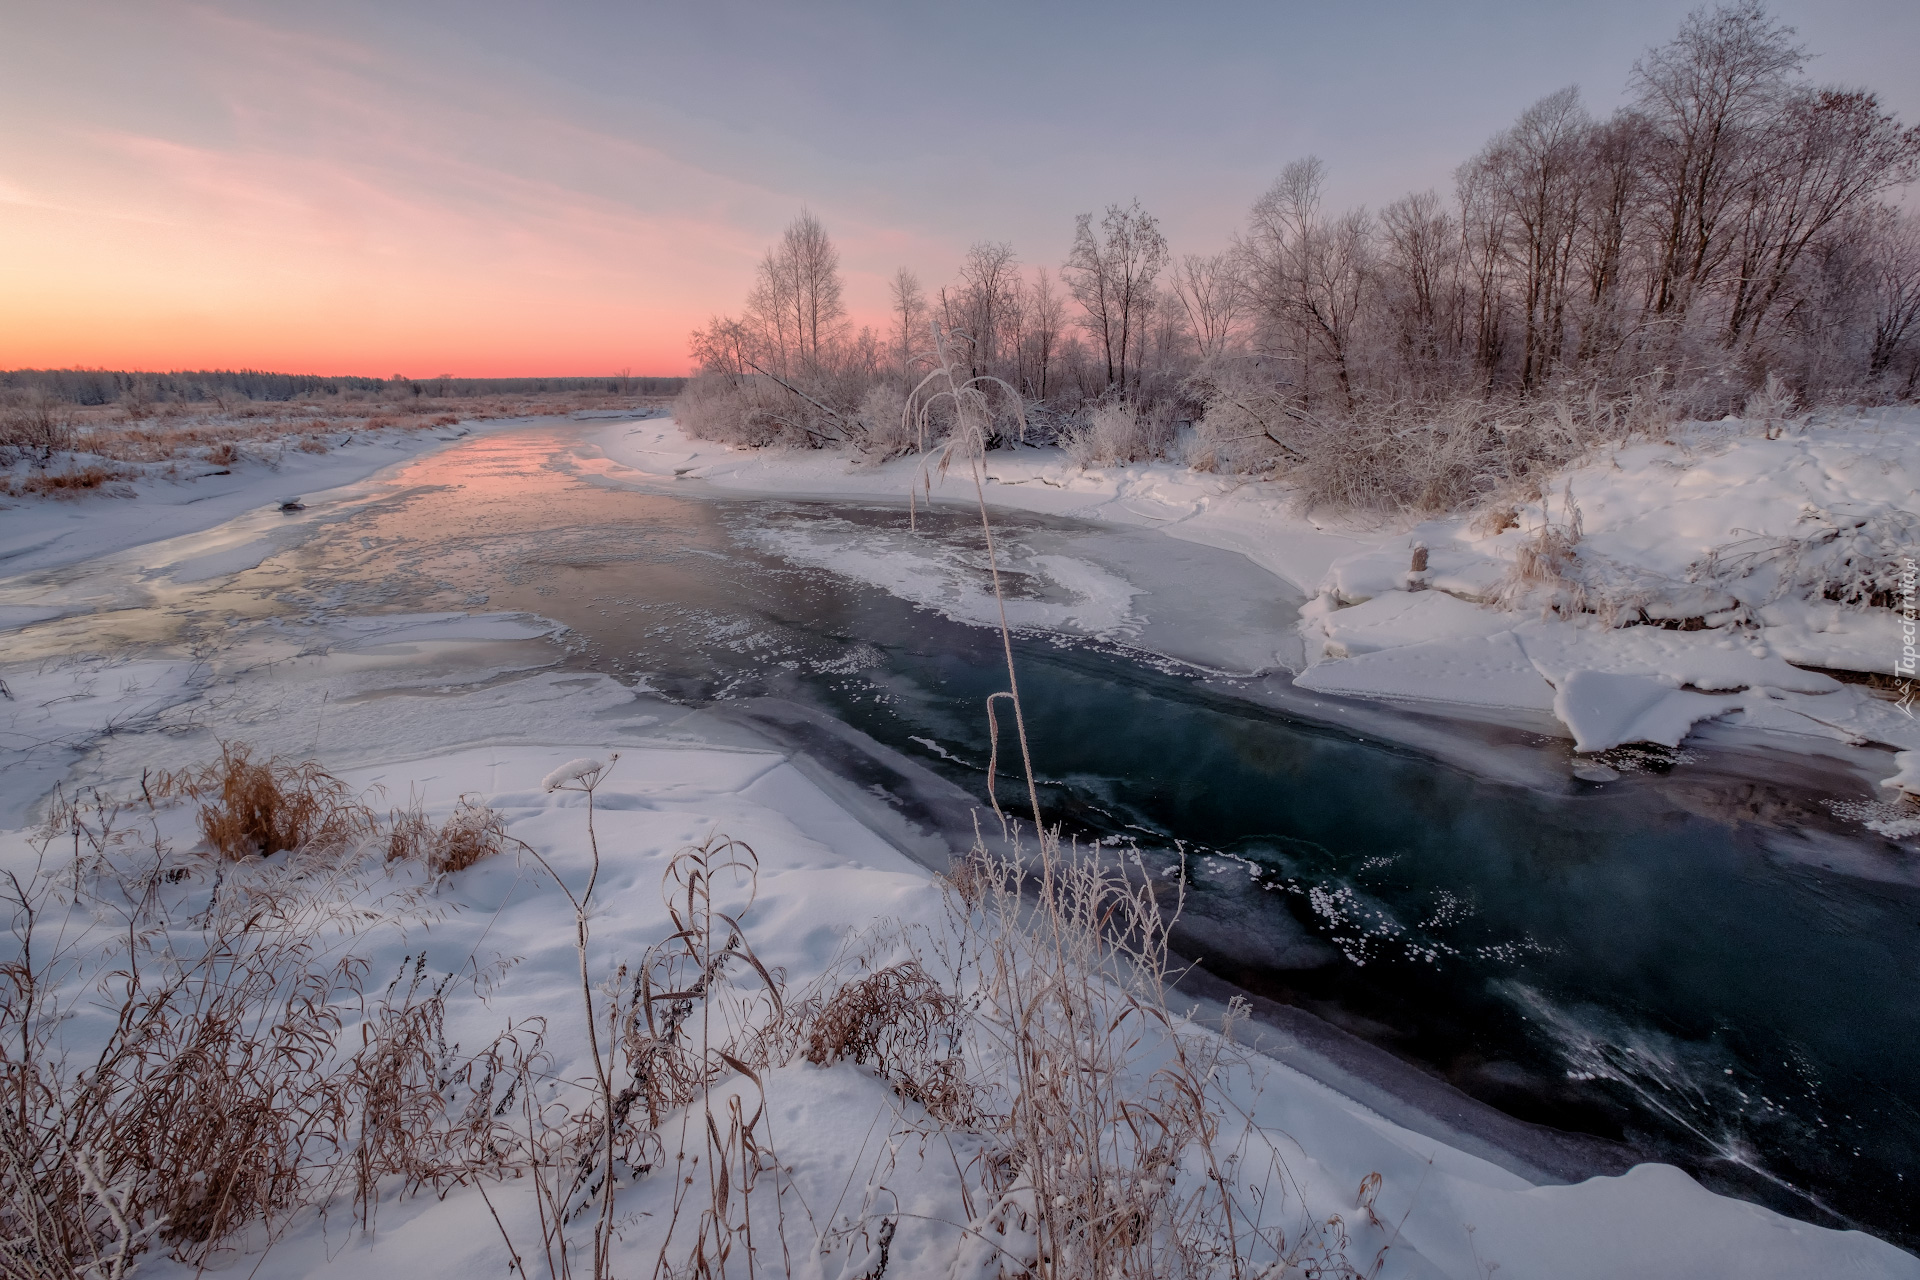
point(1635, 961)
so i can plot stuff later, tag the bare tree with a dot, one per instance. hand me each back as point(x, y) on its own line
point(909, 315)
point(1309, 275)
point(1706, 96)
point(1894, 248)
point(987, 279)
point(1111, 276)
point(1044, 330)
point(1211, 294)
point(1535, 173)
point(796, 302)
point(1420, 262)
point(1616, 193)
point(1826, 154)
point(1483, 237)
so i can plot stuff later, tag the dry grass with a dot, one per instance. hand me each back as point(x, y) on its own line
point(1092, 1130)
point(224, 1092)
point(70, 483)
point(254, 809)
point(217, 432)
point(474, 831)
point(904, 1024)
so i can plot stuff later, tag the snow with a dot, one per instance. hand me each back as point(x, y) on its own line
point(1718, 531)
point(1604, 710)
point(403, 695)
point(51, 713)
point(1398, 619)
point(1487, 671)
point(581, 771)
point(1084, 597)
point(443, 706)
point(1907, 773)
point(38, 534)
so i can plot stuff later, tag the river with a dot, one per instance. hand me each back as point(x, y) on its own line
point(1698, 963)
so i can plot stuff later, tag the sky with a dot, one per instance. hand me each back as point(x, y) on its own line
point(495, 188)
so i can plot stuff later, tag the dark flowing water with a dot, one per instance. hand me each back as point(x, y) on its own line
point(1668, 961)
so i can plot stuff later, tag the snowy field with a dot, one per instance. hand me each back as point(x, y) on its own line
point(434, 708)
point(1722, 577)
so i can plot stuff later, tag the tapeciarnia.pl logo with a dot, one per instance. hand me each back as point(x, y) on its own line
point(1904, 666)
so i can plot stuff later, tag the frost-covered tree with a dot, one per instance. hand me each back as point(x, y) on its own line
point(1111, 274)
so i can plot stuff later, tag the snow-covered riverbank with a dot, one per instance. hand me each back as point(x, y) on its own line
point(1722, 576)
point(440, 707)
point(152, 502)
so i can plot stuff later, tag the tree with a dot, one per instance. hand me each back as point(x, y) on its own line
point(1535, 175)
point(1893, 241)
point(1309, 275)
point(1615, 165)
point(1211, 294)
point(1706, 96)
point(1044, 330)
point(909, 315)
point(1111, 276)
point(1827, 154)
point(796, 302)
point(1419, 264)
point(984, 300)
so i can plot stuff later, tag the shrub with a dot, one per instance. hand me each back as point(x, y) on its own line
point(1116, 432)
point(473, 832)
point(885, 431)
point(65, 484)
point(38, 423)
point(249, 809)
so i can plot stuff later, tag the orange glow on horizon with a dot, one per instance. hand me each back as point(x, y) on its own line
point(334, 211)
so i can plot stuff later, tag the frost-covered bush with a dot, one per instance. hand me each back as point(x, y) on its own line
point(35, 424)
point(716, 407)
point(1116, 432)
point(1843, 558)
point(1439, 454)
point(885, 430)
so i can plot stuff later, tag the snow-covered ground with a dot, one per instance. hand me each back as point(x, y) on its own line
point(1654, 587)
point(443, 706)
point(448, 705)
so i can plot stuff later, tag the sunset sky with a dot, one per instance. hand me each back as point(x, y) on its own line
point(507, 188)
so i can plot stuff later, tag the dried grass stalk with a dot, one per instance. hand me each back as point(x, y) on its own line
point(249, 808)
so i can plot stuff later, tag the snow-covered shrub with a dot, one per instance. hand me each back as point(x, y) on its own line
point(1844, 558)
point(1770, 404)
point(1417, 457)
point(1115, 432)
point(715, 407)
point(35, 424)
point(885, 428)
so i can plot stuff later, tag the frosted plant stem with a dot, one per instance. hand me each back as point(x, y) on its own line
point(1006, 642)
